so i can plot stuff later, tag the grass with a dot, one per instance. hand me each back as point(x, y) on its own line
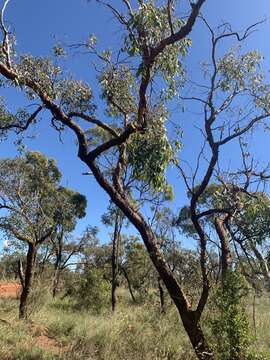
point(261, 328)
point(139, 332)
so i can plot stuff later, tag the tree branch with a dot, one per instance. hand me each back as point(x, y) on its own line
point(92, 155)
point(26, 125)
point(181, 34)
point(95, 121)
point(5, 42)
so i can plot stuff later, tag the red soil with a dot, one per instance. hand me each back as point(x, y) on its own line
point(10, 290)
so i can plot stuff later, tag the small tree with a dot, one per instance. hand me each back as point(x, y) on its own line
point(71, 207)
point(218, 203)
point(115, 218)
point(91, 288)
point(30, 199)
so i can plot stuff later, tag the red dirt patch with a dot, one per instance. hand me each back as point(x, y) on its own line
point(45, 341)
point(10, 290)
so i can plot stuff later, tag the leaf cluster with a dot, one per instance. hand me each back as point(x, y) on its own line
point(150, 152)
point(148, 26)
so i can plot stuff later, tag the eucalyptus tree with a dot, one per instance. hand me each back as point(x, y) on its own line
point(239, 217)
point(135, 83)
point(71, 206)
point(115, 218)
point(9, 265)
point(243, 233)
point(250, 233)
point(249, 227)
point(163, 225)
point(64, 251)
point(30, 200)
point(219, 205)
point(234, 101)
point(137, 268)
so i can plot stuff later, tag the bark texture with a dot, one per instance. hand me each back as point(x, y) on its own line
point(224, 237)
point(28, 279)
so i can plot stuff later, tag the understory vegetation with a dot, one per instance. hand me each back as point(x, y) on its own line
point(59, 330)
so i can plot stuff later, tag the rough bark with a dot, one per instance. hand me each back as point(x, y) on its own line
point(161, 296)
point(226, 257)
point(56, 280)
point(114, 260)
point(57, 266)
point(28, 279)
point(20, 272)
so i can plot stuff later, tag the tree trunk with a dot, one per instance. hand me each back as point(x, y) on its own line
point(197, 338)
point(114, 264)
point(57, 265)
point(20, 272)
point(43, 262)
point(56, 280)
point(114, 286)
point(263, 263)
point(161, 296)
point(28, 279)
point(226, 257)
point(190, 319)
point(129, 284)
point(115, 254)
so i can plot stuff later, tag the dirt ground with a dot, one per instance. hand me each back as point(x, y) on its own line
point(44, 340)
point(10, 290)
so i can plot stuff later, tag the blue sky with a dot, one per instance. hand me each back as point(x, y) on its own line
point(40, 24)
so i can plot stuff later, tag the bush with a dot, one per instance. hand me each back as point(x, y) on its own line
point(92, 291)
point(230, 327)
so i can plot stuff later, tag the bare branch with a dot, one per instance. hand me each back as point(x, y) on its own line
point(95, 121)
point(211, 212)
point(184, 177)
point(180, 34)
point(116, 13)
point(111, 143)
point(169, 11)
point(5, 42)
point(127, 3)
point(248, 31)
point(24, 127)
point(198, 164)
point(243, 130)
point(194, 98)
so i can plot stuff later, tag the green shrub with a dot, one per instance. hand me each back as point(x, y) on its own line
point(230, 327)
point(92, 292)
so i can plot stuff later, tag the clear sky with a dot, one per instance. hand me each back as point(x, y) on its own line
point(40, 24)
